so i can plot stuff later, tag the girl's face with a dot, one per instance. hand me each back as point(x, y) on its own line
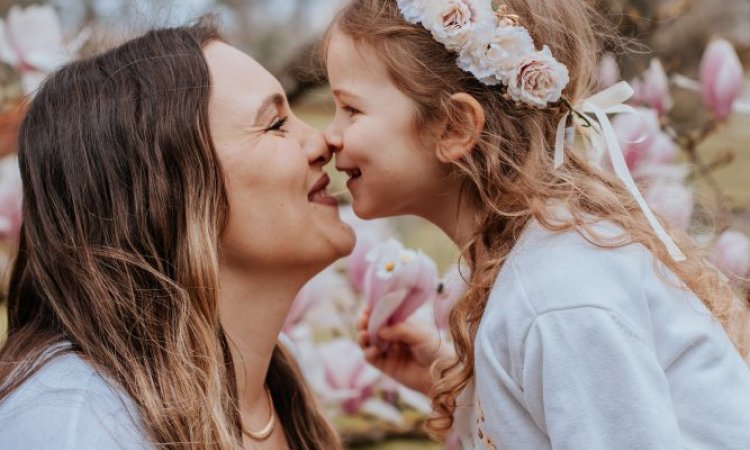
point(280, 216)
point(390, 171)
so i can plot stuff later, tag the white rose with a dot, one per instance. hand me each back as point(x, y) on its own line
point(453, 22)
point(450, 22)
point(412, 10)
point(473, 56)
point(508, 46)
point(538, 79)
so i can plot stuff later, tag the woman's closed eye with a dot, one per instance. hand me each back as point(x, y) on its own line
point(277, 125)
point(350, 110)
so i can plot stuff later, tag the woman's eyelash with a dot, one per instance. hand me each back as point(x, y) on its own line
point(350, 110)
point(278, 125)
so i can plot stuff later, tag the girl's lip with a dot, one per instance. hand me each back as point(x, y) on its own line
point(351, 182)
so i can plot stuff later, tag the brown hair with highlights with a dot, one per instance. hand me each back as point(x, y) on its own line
point(124, 203)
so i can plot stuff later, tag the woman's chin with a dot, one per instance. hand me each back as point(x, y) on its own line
point(344, 245)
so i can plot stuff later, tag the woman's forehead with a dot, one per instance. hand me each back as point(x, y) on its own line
point(237, 80)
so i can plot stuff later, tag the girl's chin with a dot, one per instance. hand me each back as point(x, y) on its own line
point(367, 211)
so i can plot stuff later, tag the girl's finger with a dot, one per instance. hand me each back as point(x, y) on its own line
point(404, 332)
point(372, 355)
point(363, 339)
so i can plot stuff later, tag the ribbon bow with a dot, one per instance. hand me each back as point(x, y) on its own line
point(612, 101)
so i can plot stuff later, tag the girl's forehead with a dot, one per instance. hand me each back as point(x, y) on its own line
point(353, 62)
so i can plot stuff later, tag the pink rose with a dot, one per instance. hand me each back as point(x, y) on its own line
point(538, 79)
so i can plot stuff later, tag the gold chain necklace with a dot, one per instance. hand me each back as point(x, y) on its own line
point(267, 430)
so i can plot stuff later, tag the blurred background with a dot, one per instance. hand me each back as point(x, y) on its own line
point(665, 59)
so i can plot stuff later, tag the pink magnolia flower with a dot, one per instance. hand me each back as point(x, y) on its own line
point(672, 201)
point(642, 141)
point(652, 89)
point(731, 254)
point(317, 290)
point(452, 288)
point(11, 195)
point(350, 380)
point(609, 71)
point(369, 233)
point(721, 76)
point(397, 283)
point(31, 42)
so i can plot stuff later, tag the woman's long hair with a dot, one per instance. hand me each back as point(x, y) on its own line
point(510, 171)
point(124, 201)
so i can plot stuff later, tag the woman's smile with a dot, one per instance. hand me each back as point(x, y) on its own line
point(319, 194)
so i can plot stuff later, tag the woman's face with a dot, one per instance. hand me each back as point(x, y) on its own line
point(280, 216)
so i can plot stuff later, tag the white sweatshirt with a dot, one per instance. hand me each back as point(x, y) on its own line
point(67, 405)
point(582, 347)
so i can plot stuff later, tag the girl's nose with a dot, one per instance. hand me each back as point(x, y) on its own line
point(333, 137)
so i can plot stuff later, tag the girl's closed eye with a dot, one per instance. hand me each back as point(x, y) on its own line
point(277, 125)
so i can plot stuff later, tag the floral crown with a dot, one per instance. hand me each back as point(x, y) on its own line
point(492, 47)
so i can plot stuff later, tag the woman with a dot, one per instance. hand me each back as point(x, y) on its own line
point(173, 207)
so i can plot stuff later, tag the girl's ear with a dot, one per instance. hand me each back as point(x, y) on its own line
point(458, 139)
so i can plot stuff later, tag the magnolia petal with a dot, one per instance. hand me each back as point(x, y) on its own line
point(383, 310)
point(415, 399)
point(381, 409)
point(8, 54)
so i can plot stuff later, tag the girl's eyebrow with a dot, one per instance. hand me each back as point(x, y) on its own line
point(343, 93)
point(276, 100)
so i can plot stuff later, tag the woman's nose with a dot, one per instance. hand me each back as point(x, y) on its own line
point(318, 151)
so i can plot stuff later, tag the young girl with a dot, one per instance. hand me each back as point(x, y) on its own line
point(585, 325)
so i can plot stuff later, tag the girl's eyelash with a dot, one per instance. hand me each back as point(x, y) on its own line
point(277, 125)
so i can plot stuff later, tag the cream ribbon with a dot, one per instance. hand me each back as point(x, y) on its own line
point(612, 101)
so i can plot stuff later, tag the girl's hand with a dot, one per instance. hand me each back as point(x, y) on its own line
point(409, 352)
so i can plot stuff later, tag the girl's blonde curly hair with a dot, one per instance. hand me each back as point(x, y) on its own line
point(509, 173)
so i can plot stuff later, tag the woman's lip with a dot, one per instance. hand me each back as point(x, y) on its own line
point(319, 185)
point(326, 200)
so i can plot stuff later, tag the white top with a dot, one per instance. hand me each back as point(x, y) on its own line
point(582, 347)
point(67, 405)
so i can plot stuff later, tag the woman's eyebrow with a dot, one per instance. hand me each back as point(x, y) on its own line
point(276, 100)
